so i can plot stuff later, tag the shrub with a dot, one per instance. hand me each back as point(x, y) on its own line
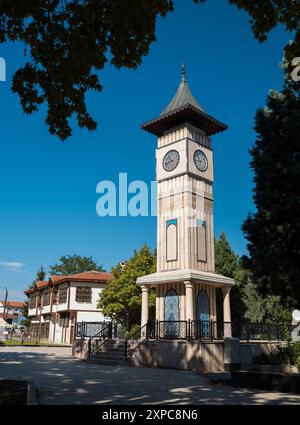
point(283, 355)
point(134, 332)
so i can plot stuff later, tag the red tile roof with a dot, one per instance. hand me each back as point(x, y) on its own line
point(8, 316)
point(93, 275)
point(41, 283)
point(90, 276)
point(13, 303)
point(29, 291)
point(57, 278)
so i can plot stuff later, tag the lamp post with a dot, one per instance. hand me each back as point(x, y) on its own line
point(5, 303)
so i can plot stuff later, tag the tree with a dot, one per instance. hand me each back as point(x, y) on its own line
point(254, 311)
point(73, 264)
point(40, 275)
point(267, 15)
point(227, 263)
point(121, 299)
point(225, 258)
point(247, 304)
point(258, 308)
point(26, 321)
point(67, 42)
point(273, 231)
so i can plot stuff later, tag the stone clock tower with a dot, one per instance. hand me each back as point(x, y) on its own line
point(185, 281)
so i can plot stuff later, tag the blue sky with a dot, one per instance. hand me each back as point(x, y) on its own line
point(48, 188)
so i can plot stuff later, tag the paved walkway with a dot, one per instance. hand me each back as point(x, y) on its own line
point(60, 379)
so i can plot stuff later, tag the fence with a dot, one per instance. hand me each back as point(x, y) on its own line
point(90, 329)
point(193, 330)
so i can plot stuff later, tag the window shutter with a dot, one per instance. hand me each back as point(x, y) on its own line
point(83, 294)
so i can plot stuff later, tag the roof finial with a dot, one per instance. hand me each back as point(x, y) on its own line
point(183, 73)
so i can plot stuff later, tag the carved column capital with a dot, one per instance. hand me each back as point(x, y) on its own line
point(188, 284)
point(226, 290)
point(144, 288)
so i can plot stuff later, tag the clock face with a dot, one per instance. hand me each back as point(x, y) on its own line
point(171, 160)
point(200, 160)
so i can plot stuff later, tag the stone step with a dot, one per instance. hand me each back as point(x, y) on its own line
point(109, 354)
point(116, 343)
point(113, 347)
point(113, 342)
point(108, 358)
point(110, 350)
point(109, 362)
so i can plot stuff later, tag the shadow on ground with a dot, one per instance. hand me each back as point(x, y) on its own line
point(64, 380)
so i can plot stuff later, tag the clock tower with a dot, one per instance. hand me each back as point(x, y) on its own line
point(185, 281)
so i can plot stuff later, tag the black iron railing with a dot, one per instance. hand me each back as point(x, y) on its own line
point(190, 330)
point(209, 330)
point(169, 329)
point(136, 339)
point(262, 331)
point(88, 329)
point(100, 338)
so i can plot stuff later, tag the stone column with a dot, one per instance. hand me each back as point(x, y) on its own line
point(189, 300)
point(157, 303)
point(227, 313)
point(145, 308)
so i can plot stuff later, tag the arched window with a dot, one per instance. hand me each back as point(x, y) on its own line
point(201, 241)
point(171, 240)
point(171, 305)
point(171, 315)
point(203, 315)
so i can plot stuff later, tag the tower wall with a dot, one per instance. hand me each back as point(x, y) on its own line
point(185, 237)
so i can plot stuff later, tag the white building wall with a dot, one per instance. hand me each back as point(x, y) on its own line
point(96, 289)
point(57, 332)
point(45, 309)
point(86, 312)
point(90, 316)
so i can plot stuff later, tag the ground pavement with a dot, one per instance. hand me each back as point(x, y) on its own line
point(60, 379)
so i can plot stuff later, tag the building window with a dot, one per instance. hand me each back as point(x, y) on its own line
point(171, 314)
point(62, 296)
point(203, 314)
point(44, 330)
point(171, 240)
point(54, 297)
point(32, 302)
point(83, 295)
point(63, 321)
point(34, 330)
point(46, 298)
point(201, 241)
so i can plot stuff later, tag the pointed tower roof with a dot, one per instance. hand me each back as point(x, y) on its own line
point(182, 97)
point(184, 108)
